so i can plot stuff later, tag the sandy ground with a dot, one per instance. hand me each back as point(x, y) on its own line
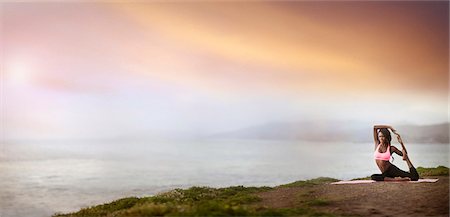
point(374, 199)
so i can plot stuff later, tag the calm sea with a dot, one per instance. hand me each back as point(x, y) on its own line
point(40, 179)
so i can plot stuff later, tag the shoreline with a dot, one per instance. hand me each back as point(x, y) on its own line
point(314, 197)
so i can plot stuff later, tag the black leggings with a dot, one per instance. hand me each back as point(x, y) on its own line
point(394, 171)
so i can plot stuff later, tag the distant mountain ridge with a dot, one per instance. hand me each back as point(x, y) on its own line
point(337, 131)
point(436, 133)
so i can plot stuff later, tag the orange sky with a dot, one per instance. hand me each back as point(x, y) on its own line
point(389, 55)
point(374, 46)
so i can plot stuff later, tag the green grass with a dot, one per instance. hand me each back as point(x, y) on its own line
point(203, 201)
point(311, 182)
point(364, 178)
point(105, 209)
point(437, 171)
point(195, 201)
point(213, 207)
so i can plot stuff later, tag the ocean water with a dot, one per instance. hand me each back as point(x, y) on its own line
point(40, 179)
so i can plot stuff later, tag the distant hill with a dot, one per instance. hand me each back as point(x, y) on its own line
point(337, 131)
point(436, 133)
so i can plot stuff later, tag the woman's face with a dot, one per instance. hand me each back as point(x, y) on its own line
point(381, 138)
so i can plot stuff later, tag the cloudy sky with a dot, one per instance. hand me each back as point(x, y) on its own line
point(98, 70)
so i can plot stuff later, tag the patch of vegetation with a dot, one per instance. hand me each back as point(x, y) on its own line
point(201, 201)
point(104, 209)
point(364, 178)
point(311, 182)
point(437, 171)
point(195, 201)
point(205, 208)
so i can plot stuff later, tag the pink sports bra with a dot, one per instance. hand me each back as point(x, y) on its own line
point(382, 156)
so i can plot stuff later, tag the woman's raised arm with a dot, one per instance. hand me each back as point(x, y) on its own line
point(375, 136)
point(403, 145)
point(383, 126)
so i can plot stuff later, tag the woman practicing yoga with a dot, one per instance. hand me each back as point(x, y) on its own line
point(383, 151)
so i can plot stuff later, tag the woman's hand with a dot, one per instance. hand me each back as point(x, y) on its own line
point(395, 132)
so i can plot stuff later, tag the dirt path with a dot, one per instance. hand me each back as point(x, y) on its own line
point(375, 199)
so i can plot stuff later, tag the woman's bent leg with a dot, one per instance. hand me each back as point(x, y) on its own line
point(394, 171)
point(412, 170)
point(377, 177)
point(414, 175)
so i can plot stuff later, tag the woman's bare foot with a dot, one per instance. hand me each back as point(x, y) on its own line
point(396, 179)
point(402, 179)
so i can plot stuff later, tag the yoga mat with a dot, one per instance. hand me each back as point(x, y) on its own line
point(372, 181)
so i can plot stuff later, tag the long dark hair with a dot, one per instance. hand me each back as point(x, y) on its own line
point(386, 133)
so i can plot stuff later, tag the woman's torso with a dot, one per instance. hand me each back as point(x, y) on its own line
point(383, 165)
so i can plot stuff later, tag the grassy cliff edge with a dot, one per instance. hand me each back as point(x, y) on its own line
point(229, 201)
